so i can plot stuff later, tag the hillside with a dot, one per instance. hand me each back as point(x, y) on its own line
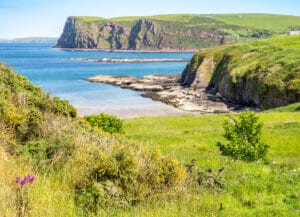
point(75, 169)
point(171, 32)
point(263, 73)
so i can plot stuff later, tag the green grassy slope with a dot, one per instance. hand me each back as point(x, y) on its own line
point(272, 22)
point(251, 189)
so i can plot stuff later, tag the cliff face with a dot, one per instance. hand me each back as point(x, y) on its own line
point(76, 35)
point(143, 33)
point(265, 74)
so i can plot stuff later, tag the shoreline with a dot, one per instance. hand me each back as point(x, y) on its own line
point(168, 90)
point(130, 60)
point(125, 51)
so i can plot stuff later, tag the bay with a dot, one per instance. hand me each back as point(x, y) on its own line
point(55, 72)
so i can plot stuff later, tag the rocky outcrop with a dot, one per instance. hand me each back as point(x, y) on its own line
point(141, 34)
point(77, 35)
point(165, 88)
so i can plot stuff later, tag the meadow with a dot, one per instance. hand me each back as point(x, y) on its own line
point(251, 189)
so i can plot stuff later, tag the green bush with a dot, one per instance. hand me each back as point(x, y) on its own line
point(107, 123)
point(122, 174)
point(64, 107)
point(34, 121)
point(46, 155)
point(243, 136)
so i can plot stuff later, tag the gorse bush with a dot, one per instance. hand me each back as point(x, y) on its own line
point(243, 136)
point(107, 123)
point(122, 174)
point(23, 106)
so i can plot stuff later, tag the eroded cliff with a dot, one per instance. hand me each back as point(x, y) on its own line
point(264, 73)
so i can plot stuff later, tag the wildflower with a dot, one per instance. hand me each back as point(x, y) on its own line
point(18, 179)
point(23, 182)
point(26, 180)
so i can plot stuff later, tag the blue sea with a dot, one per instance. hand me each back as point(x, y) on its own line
point(54, 71)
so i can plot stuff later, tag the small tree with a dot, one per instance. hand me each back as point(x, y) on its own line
point(243, 136)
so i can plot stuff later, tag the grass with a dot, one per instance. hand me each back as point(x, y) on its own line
point(295, 107)
point(272, 22)
point(251, 189)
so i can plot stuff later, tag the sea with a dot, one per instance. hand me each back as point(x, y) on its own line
point(56, 72)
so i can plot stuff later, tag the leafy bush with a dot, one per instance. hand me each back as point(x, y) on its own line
point(46, 155)
point(64, 107)
point(243, 136)
point(107, 123)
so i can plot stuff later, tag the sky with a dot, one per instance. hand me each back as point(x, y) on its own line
point(27, 18)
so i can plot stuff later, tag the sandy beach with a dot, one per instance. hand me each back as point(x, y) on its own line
point(156, 109)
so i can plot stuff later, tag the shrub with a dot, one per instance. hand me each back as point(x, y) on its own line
point(34, 121)
point(64, 107)
point(121, 174)
point(243, 136)
point(46, 155)
point(107, 123)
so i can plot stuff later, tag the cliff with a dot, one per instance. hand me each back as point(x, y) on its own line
point(163, 32)
point(265, 73)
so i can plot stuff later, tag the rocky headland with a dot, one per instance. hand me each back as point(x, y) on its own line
point(166, 33)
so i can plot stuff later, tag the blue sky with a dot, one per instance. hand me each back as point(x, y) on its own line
point(24, 18)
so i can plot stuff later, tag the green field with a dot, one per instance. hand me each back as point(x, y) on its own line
point(273, 22)
point(251, 189)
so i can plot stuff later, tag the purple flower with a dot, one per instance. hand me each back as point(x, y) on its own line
point(27, 179)
point(18, 179)
point(23, 182)
point(31, 180)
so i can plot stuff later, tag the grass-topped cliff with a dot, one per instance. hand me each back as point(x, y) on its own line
point(265, 73)
point(171, 32)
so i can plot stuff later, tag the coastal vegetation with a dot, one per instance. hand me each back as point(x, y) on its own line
point(79, 170)
point(249, 189)
point(171, 32)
